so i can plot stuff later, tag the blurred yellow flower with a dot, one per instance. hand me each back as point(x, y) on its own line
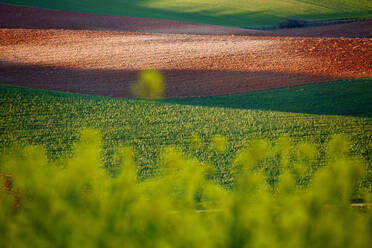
point(150, 85)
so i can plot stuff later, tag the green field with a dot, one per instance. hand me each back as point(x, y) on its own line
point(301, 192)
point(239, 13)
point(55, 118)
point(346, 97)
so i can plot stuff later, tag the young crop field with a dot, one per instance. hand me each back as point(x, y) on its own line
point(54, 120)
point(242, 13)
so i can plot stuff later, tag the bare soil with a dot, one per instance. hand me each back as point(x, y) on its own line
point(100, 54)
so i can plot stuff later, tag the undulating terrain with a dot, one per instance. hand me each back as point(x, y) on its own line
point(263, 138)
point(101, 55)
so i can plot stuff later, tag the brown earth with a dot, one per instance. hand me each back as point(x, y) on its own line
point(100, 54)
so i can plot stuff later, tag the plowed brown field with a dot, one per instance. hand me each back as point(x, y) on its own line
point(101, 55)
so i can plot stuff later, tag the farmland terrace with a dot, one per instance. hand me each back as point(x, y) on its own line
point(101, 54)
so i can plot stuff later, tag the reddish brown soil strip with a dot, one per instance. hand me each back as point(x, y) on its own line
point(106, 62)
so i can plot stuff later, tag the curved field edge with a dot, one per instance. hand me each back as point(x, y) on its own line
point(53, 119)
point(247, 13)
point(342, 97)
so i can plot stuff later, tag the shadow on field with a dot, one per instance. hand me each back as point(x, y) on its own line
point(348, 97)
point(179, 83)
point(344, 97)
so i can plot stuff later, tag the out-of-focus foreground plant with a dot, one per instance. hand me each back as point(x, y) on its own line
point(75, 203)
point(150, 85)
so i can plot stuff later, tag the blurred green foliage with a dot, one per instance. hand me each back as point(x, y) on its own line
point(75, 202)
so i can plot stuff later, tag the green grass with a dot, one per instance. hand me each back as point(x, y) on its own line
point(54, 119)
point(345, 97)
point(239, 13)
